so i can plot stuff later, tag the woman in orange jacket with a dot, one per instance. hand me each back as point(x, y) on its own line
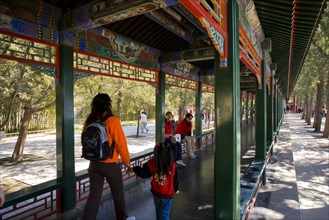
point(101, 109)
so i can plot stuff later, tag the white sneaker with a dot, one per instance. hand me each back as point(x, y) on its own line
point(131, 218)
point(193, 156)
point(180, 162)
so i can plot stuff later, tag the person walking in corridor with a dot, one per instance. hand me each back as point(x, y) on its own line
point(101, 109)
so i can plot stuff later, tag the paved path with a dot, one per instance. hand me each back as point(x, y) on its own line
point(297, 175)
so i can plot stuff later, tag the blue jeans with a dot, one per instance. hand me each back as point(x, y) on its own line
point(162, 207)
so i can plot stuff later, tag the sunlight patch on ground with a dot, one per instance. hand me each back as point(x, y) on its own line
point(306, 203)
point(291, 203)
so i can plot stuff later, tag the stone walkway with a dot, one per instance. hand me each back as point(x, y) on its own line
point(297, 176)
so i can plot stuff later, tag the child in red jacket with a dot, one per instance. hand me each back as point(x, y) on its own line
point(164, 182)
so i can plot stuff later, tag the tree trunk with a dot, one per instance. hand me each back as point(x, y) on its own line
point(119, 104)
point(306, 103)
point(319, 104)
point(326, 125)
point(309, 113)
point(20, 144)
point(181, 112)
point(208, 116)
point(14, 95)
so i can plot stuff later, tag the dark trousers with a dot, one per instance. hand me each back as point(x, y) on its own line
point(112, 172)
point(176, 149)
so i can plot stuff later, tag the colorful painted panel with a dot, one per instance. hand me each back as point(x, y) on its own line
point(31, 18)
point(93, 64)
point(172, 80)
point(213, 20)
point(36, 12)
point(108, 44)
point(98, 13)
point(182, 69)
point(250, 23)
point(249, 56)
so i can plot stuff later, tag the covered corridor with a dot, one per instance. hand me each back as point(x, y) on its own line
point(207, 46)
point(297, 182)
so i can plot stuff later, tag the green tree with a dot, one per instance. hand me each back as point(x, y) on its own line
point(315, 73)
point(24, 88)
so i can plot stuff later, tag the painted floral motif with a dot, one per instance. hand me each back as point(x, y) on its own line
point(160, 179)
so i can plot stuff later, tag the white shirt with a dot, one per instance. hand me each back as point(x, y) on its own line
point(143, 118)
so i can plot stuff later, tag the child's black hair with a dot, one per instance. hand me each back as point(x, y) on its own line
point(163, 158)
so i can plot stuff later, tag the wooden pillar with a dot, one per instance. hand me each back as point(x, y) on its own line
point(261, 117)
point(247, 107)
point(261, 122)
point(198, 120)
point(270, 113)
point(160, 108)
point(227, 124)
point(65, 129)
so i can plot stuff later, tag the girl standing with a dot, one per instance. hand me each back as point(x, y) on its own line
point(164, 182)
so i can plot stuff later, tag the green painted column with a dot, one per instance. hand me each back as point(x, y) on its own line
point(261, 117)
point(261, 120)
point(247, 107)
point(198, 121)
point(280, 106)
point(227, 124)
point(160, 108)
point(65, 129)
point(275, 108)
point(270, 113)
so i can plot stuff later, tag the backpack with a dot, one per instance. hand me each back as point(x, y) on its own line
point(95, 144)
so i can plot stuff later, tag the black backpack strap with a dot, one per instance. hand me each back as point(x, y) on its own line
point(106, 117)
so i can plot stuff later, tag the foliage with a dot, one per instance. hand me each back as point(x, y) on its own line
point(134, 95)
point(22, 86)
point(313, 80)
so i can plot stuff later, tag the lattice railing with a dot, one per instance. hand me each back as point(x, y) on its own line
point(38, 207)
point(25, 49)
point(172, 80)
point(208, 138)
point(208, 88)
point(93, 64)
point(44, 203)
